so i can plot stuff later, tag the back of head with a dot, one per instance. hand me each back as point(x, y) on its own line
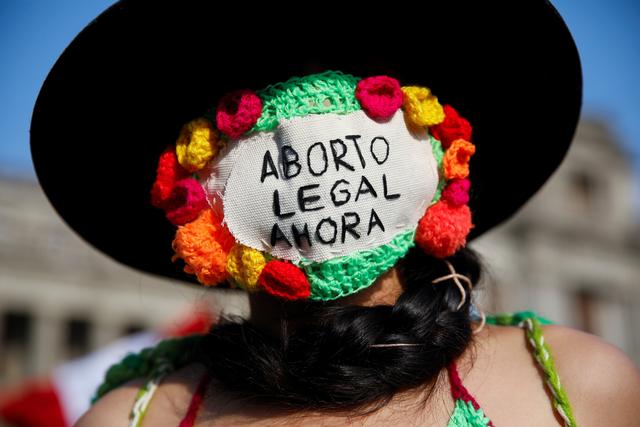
point(321, 355)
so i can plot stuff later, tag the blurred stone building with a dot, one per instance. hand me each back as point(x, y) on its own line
point(572, 254)
point(60, 297)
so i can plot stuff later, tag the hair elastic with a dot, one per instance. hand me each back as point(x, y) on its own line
point(483, 322)
point(456, 276)
point(394, 345)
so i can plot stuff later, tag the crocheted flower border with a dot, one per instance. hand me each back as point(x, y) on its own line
point(211, 253)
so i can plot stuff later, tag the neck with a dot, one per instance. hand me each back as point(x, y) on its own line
point(268, 313)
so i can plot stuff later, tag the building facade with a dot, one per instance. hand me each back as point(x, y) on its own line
point(572, 253)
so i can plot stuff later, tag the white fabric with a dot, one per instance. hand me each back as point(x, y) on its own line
point(214, 176)
point(76, 381)
point(410, 170)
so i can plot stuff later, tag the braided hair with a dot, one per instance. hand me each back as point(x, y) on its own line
point(326, 362)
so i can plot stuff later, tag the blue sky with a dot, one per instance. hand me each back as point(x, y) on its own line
point(34, 32)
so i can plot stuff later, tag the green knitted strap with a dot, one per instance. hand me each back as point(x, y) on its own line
point(150, 363)
point(144, 396)
point(543, 356)
point(533, 328)
point(515, 319)
point(465, 415)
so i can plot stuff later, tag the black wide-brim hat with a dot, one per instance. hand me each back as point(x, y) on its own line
point(120, 92)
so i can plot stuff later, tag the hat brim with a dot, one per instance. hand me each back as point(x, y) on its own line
point(122, 89)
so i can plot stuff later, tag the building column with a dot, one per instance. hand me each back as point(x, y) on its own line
point(48, 342)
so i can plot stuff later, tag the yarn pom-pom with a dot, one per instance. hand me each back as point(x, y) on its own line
point(204, 245)
point(443, 229)
point(453, 127)
point(456, 159)
point(457, 192)
point(238, 112)
point(379, 96)
point(197, 144)
point(244, 265)
point(186, 201)
point(168, 173)
point(284, 280)
point(420, 106)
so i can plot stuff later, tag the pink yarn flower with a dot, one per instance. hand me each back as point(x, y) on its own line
point(238, 112)
point(379, 96)
point(457, 192)
point(186, 201)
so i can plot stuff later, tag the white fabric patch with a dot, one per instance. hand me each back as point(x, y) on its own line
point(214, 176)
point(324, 186)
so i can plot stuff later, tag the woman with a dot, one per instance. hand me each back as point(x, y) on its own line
point(340, 200)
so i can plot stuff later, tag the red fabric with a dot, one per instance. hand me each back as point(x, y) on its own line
point(284, 280)
point(196, 401)
point(453, 127)
point(36, 405)
point(198, 321)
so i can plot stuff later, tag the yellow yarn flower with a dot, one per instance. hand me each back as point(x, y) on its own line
point(244, 265)
point(421, 107)
point(197, 144)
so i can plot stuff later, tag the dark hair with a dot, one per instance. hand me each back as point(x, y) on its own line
point(326, 363)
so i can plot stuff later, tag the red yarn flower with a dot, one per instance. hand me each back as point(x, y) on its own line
point(443, 229)
point(238, 112)
point(284, 280)
point(186, 202)
point(457, 192)
point(168, 173)
point(453, 127)
point(379, 96)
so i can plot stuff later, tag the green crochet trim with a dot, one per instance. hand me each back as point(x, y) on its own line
point(438, 153)
point(346, 275)
point(465, 415)
point(327, 92)
point(166, 356)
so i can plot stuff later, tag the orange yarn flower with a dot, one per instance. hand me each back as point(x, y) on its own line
point(456, 159)
point(204, 245)
point(443, 229)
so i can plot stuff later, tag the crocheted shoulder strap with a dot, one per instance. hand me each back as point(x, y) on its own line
point(157, 362)
point(532, 324)
point(153, 364)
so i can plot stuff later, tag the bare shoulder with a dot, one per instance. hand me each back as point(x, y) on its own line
point(167, 407)
point(602, 383)
point(112, 409)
